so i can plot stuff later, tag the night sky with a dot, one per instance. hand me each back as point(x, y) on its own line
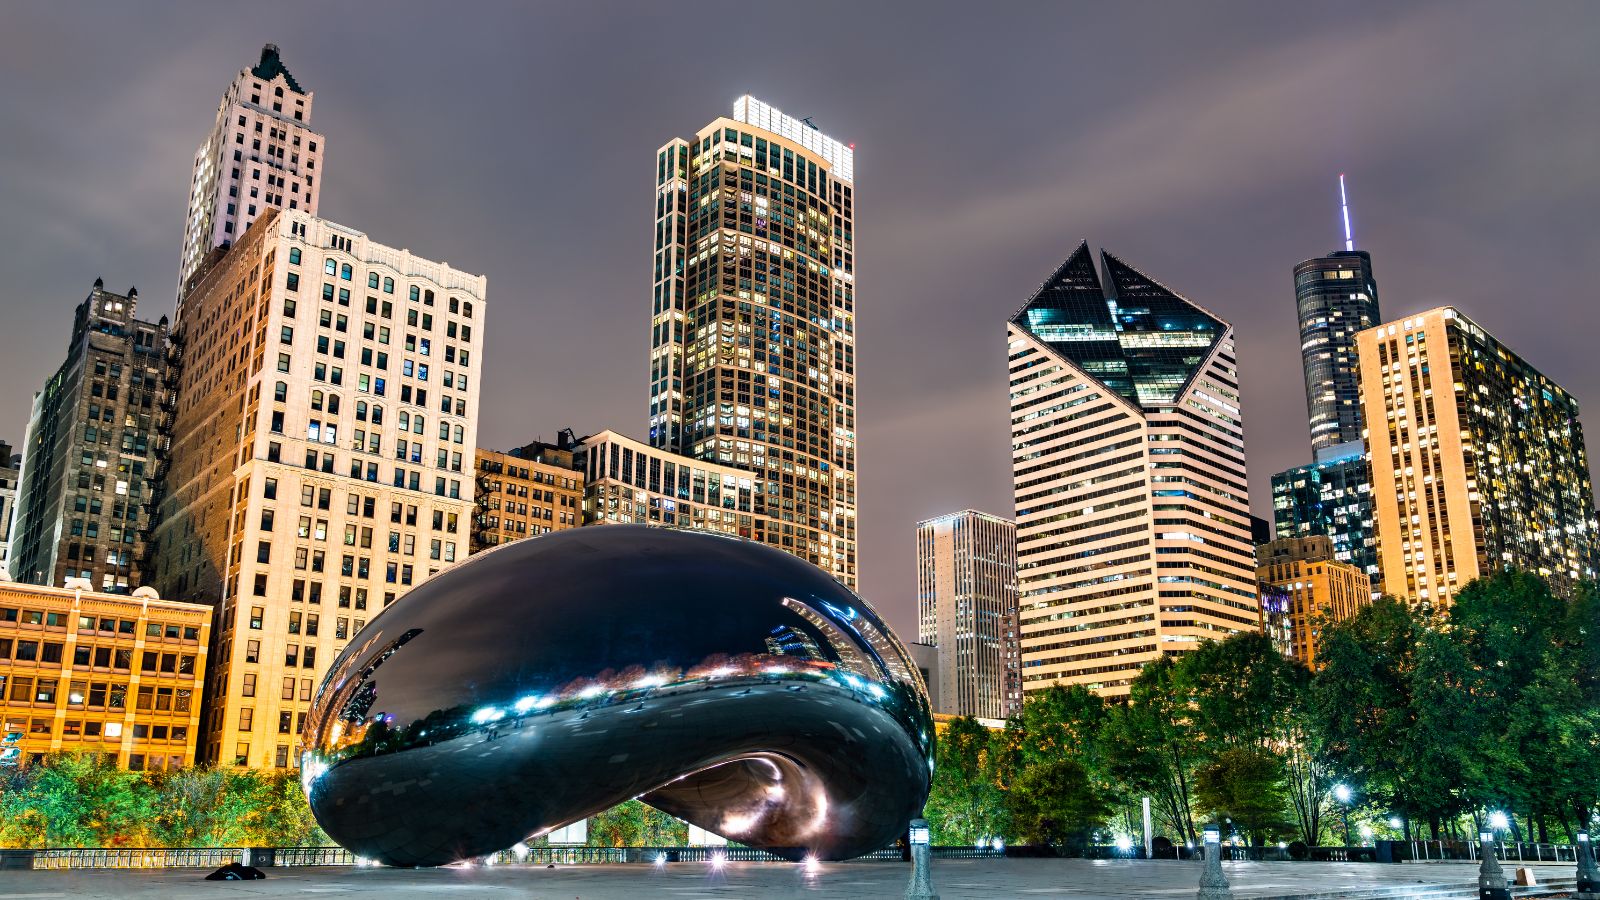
point(1200, 142)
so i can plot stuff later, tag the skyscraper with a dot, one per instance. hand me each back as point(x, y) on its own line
point(1335, 297)
point(752, 361)
point(1333, 498)
point(326, 394)
point(966, 596)
point(1133, 515)
point(1477, 458)
point(90, 451)
point(261, 154)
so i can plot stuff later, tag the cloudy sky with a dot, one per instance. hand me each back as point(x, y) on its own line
point(1200, 142)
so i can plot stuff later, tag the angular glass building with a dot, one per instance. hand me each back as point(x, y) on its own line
point(1133, 516)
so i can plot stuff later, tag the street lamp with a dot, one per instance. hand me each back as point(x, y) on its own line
point(1341, 792)
point(1498, 821)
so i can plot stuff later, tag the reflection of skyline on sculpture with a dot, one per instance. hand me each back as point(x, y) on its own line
point(732, 685)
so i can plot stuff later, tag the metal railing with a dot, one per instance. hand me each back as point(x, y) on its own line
point(135, 858)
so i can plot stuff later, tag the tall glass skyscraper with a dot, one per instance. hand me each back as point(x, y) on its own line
point(752, 360)
point(1133, 516)
point(1335, 297)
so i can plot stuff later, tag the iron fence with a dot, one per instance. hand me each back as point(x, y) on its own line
point(135, 858)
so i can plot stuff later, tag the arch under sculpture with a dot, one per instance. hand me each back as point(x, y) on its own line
point(719, 680)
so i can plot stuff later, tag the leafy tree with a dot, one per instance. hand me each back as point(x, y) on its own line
point(1241, 689)
point(1246, 785)
point(1151, 748)
point(966, 803)
point(1054, 802)
point(636, 824)
point(73, 800)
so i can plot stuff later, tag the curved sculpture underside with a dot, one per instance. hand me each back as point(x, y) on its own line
point(721, 681)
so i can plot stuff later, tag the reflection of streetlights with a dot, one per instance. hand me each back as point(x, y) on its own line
point(1341, 792)
point(1366, 833)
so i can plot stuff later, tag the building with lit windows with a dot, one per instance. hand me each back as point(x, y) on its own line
point(628, 481)
point(752, 361)
point(1331, 497)
point(966, 596)
point(521, 496)
point(1477, 458)
point(261, 154)
point(1335, 297)
point(325, 393)
point(1312, 590)
point(112, 675)
point(1133, 515)
point(90, 451)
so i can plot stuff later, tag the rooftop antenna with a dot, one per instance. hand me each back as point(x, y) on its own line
point(807, 120)
point(1344, 207)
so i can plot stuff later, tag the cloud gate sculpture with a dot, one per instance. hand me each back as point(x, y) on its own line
point(719, 680)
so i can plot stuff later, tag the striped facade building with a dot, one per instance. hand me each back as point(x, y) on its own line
point(1133, 525)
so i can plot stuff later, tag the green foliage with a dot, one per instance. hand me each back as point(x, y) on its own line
point(81, 801)
point(966, 803)
point(1054, 802)
point(1245, 785)
point(636, 824)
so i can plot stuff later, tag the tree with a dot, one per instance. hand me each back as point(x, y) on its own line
point(636, 824)
point(1151, 748)
point(1246, 785)
point(1053, 802)
point(965, 803)
point(72, 800)
point(1241, 689)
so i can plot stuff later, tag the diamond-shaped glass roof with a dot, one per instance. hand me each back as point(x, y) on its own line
point(1133, 335)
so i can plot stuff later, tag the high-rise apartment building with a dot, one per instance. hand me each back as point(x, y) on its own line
point(752, 361)
point(90, 450)
point(1477, 459)
point(10, 469)
point(1312, 589)
point(86, 672)
point(1333, 498)
point(261, 154)
point(519, 496)
point(1133, 521)
point(326, 393)
point(966, 598)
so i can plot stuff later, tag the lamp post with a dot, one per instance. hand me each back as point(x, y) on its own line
point(921, 886)
point(1491, 878)
point(1341, 792)
point(1213, 884)
point(1588, 871)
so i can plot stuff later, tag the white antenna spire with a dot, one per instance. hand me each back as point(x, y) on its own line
point(1344, 207)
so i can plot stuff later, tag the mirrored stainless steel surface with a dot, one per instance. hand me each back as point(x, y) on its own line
point(722, 681)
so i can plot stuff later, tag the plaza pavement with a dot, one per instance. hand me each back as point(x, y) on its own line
point(988, 879)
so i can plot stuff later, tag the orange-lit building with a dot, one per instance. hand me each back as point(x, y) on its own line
point(110, 674)
point(1303, 588)
point(530, 490)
